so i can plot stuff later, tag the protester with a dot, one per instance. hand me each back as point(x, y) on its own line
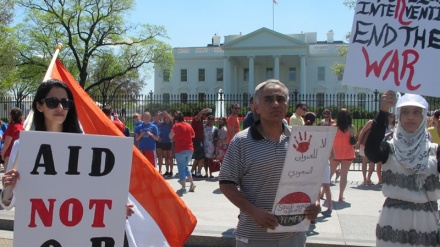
point(411, 184)
point(251, 171)
point(12, 133)
point(166, 143)
point(221, 145)
point(362, 138)
point(232, 123)
point(210, 139)
point(434, 129)
point(54, 111)
point(137, 122)
point(249, 119)
point(326, 118)
point(126, 129)
point(296, 118)
point(147, 134)
point(113, 117)
point(157, 120)
point(199, 152)
point(343, 151)
point(182, 133)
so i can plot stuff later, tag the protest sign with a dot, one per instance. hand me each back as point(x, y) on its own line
point(303, 172)
point(395, 44)
point(72, 190)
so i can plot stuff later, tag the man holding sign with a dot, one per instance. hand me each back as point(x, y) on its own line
point(254, 162)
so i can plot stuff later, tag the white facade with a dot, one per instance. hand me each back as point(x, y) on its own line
point(243, 61)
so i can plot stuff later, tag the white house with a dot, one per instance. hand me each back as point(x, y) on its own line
point(238, 64)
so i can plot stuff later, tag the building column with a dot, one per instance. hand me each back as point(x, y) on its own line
point(226, 75)
point(276, 68)
point(251, 78)
point(302, 89)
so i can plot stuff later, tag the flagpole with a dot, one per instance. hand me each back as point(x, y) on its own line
point(7, 191)
point(273, 15)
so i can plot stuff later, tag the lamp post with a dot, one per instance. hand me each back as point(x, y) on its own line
point(221, 103)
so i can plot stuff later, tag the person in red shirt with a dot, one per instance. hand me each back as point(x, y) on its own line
point(108, 112)
point(12, 133)
point(182, 134)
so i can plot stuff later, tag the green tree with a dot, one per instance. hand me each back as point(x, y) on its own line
point(127, 85)
point(350, 3)
point(87, 29)
point(6, 44)
point(338, 68)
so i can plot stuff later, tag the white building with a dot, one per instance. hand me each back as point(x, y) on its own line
point(238, 64)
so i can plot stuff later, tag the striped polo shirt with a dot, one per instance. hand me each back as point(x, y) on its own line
point(255, 164)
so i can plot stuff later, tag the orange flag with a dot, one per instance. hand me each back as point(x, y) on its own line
point(147, 186)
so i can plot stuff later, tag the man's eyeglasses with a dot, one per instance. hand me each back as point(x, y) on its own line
point(304, 109)
point(53, 103)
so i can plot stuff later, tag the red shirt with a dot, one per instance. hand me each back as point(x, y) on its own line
point(120, 125)
point(232, 121)
point(198, 129)
point(183, 133)
point(13, 131)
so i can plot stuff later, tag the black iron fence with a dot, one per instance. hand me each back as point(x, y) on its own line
point(362, 106)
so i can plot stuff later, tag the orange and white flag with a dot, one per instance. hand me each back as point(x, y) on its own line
point(161, 218)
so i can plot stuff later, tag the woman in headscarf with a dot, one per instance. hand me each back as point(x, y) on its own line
point(410, 174)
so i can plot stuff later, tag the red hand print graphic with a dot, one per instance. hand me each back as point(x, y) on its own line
point(303, 144)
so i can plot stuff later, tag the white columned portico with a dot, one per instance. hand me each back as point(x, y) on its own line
point(276, 72)
point(251, 87)
point(302, 89)
point(227, 75)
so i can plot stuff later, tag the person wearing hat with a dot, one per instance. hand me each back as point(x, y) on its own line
point(410, 174)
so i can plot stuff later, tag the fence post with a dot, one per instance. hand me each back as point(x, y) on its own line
point(376, 100)
point(220, 91)
point(151, 97)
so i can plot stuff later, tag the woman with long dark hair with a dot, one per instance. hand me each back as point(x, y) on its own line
point(343, 151)
point(54, 111)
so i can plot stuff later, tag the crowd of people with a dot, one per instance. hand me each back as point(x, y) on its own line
point(400, 146)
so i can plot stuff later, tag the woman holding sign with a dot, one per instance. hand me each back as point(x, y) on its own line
point(54, 111)
point(410, 174)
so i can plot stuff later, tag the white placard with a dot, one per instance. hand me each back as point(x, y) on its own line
point(303, 172)
point(395, 44)
point(73, 189)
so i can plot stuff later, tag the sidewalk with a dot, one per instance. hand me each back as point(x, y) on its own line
point(352, 223)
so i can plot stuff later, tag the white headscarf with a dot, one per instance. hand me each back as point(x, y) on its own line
point(412, 149)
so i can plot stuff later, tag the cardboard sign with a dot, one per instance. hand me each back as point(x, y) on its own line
point(395, 44)
point(301, 179)
point(72, 191)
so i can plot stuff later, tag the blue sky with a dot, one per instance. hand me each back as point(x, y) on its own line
point(193, 23)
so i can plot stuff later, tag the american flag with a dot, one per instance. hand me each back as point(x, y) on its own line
point(275, 2)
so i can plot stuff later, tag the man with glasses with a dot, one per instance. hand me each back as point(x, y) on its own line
point(296, 118)
point(233, 125)
point(252, 168)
